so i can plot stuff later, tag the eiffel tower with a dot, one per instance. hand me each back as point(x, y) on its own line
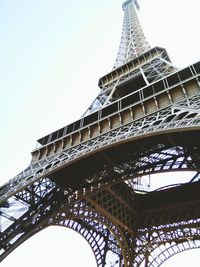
point(92, 175)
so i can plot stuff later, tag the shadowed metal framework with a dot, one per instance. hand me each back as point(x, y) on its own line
point(92, 175)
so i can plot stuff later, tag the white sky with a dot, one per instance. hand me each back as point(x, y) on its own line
point(52, 54)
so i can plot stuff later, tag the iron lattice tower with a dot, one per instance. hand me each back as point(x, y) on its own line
point(90, 175)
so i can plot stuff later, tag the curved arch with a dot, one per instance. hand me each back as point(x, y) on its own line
point(52, 246)
point(173, 250)
point(192, 115)
point(154, 158)
point(149, 150)
point(161, 243)
point(169, 118)
point(95, 241)
point(97, 224)
point(89, 233)
point(124, 135)
point(142, 163)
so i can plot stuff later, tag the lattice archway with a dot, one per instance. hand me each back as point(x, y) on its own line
point(94, 239)
point(173, 249)
point(105, 239)
point(158, 244)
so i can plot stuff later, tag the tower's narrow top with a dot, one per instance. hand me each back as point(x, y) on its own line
point(133, 42)
point(130, 1)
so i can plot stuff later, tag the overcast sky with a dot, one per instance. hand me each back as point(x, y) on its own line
point(52, 54)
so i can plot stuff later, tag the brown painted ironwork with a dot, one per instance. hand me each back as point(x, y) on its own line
point(90, 175)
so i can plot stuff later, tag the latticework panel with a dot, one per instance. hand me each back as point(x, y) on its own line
point(97, 233)
point(86, 176)
point(150, 71)
point(133, 42)
point(178, 116)
point(171, 225)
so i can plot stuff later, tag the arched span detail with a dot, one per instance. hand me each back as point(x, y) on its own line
point(156, 244)
point(102, 235)
point(141, 130)
point(150, 156)
point(173, 250)
point(92, 239)
point(95, 240)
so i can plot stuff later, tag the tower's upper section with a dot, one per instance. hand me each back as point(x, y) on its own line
point(136, 68)
point(133, 42)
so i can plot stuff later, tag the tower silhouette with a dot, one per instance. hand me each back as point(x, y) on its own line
point(90, 175)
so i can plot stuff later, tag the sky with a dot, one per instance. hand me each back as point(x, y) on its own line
point(52, 54)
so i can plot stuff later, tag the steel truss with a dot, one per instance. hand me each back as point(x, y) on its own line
point(151, 71)
point(96, 187)
point(133, 41)
point(104, 201)
point(182, 115)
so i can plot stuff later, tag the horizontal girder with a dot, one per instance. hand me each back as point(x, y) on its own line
point(180, 116)
point(85, 176)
